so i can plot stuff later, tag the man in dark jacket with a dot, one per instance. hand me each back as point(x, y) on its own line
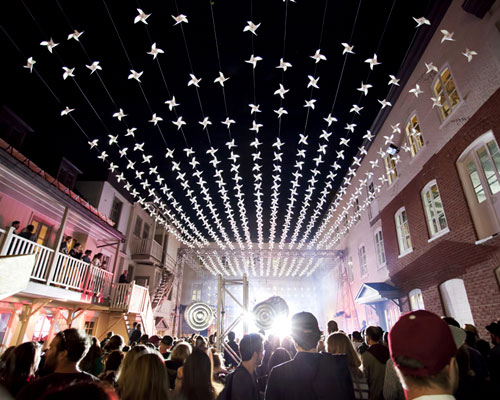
point(244, 385)
point(310, 375)
point(230, 360)
point(374, 360)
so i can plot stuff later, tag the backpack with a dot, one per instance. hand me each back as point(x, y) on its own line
point(228, 388)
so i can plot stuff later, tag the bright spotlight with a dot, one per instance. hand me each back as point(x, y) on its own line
point(281, 326)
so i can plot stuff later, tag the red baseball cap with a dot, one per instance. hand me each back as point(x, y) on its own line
point(424, 337)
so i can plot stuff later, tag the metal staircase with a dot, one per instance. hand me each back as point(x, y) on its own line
point(166, 283)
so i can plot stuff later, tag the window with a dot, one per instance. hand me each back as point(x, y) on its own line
point(414, 136)
point(116, 210)
point(390, 168)
point(455, 301)
point(350, 274)
point(434, 211)
point(196, 292)
point(379, 248)
point(373, 205)
point(446, 92)
point(363, 269)
point(89, 327)
point(416, 300)
point(4, 324)
point(403, 231)
point(138, 226)
point(489, 157)
point(476, 182)
point(357, 213)
point(42, 232)
point(391, 317)
point(145, 232)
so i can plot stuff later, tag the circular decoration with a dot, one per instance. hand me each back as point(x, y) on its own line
point(199, 316)
point(266, 312)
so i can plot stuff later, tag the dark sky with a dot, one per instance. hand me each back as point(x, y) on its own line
point(385, 27)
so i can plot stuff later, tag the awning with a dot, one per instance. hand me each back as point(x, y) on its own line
point(376, 292)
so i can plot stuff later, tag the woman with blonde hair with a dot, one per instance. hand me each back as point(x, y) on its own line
point(127, 366)
point(147, 379)
point(179, 354)
point(339, 343)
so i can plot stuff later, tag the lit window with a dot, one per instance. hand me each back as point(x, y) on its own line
point(403, 230)
point(196, 292)
point(41, 232)
point(390, 168)
point(414, 136)
point(446, 92)
point(434, 211)
point(416, 300)
point(379, 248)
point(363, 269)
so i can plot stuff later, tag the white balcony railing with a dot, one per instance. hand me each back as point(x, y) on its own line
point(129, 297)
point(67, 272)
point(147, 247)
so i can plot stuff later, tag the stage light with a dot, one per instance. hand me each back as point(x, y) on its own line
point(281, 326)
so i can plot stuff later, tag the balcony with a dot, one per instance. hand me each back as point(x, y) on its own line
point(132, 298)
point(146, 250)
point(58, 275)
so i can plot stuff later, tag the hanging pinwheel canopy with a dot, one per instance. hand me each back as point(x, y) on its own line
point(233, 122)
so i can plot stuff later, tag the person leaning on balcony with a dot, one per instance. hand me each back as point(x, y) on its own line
point(64, 248)
point(97, 260)
point(27, 233)
point(76, 251)
point(123, 277)
point(62, 358)
point(15, 224)
point(86, 256)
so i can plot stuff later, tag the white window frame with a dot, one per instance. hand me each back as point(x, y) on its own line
point(363, 265)
point(430, 221)
point(391, 171)
point(416, 146)
point(402, 249)
point(418, 302)
point(442, 117)
point(196, 292)
point(380, 249)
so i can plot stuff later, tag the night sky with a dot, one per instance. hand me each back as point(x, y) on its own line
point(384, 27)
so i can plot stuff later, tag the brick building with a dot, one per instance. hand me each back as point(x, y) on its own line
point(423, 232)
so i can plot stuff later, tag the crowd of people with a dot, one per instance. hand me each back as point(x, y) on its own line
point(423, 356)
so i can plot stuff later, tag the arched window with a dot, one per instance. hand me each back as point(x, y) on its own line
point(403, 231)
point(446, 93)
point(434, 211)
point(414, 135)
point(479, 170)
point(416, 300)
point(455, 301)
point(379, 248)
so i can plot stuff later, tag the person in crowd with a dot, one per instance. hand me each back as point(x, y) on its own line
point(332, 327)
point(262, 370)
point(76, 251)
point(231, 362)
point(104, 265)
point(393, 389)
point(21, 367)
point(16, 225)
point(279, 356)
point(128, 363)
point(144, 339)
point(82, 390)
point(424, 351)
point(220, 372)
point(123, 277)
point(106, 339)
point(97, 260)
point(112, 367)
point(28, 233)
point(165, 346)
point(146, 379)
point(211, 340)
point(92, 362)
point(115, 342)
point(65, 245)
point(339, 343)
point(86, 256)
point(195, 379)
point(4, 356)
point(310, 375)
point(243, 380)
point(359, 343)
point(179, 355)
point(135, 334)
point(155, 341)
point(62, 358)
point(287, 343)
point(374, 359)
point(494, 353)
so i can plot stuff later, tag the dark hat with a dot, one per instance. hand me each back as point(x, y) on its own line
point(304, 325)
point(167, 340)
point(494, 328)
point(426, 338)
point(155, 340)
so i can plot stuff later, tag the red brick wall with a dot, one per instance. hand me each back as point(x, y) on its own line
point(454, 255)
